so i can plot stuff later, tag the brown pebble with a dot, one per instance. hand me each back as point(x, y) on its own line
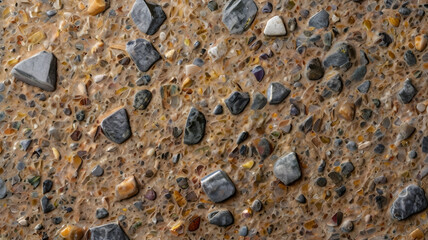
point(347, 111)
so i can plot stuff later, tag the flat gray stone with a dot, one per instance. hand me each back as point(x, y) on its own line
point(340, 56)
point(319, 20)
point(364, 87)
point(142, 99)
point(110, 231)
point(221, 218)
point(147, 16)
point(407, 93)
point(3, 189)
point(142, 53)
point(238, 15)
point(237, 102)
point(218, 186)
point(276, 93)
point(101, 213)
point(410, 201)
point(195, 127)
point(259, 101)
point(39, 70)
point(116, 126)
point(287, 168)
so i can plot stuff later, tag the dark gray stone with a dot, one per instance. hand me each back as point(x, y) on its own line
point(340, 56)
point(51, 13)
point(198, 62)
point(363, 58)
point(359, 73)
point(425, 144)
point(147, 16)
point(314, 69)
point(144, 80)
point(410, 201)
point(218, 110)
point(238, 15)
point(385, 39)
point(116, 126)
point(267, 8)
point(335, 84)
point(407, 93)
point(142, 99)
point(142, 53)
point(340, 191)
point(259, 101)
point(346, 168)
point(195, 127)
point(47, 186)
point(80, 115)
point(379, 149)
point(306, 125)
point(212, 6)
point(380, 180)
point(25, 144)
point(276, 93)
point(39, 70)
point(3, 189)
point(257, 205)
point(237, 102)
point(410, 58)
point(364, 87)
point(218, 186)
point(352, 146)
point(404, 11)
point(301, 199)
point(319, 20)
point(97, 171)
point(258, 72)
point(335, 177)
point(413, 154)
point(221, 218)
point(287, 168)
point(46, 205)
point(109, 231)
point(101, 213)
point(242, 137)
point(321, 182)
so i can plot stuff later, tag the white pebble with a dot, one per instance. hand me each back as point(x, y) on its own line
point(421, 107)
point(275, 27)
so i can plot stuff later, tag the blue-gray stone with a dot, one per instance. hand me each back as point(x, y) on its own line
point(142, 99)
point(259, 101)
point(242, 137)
point(221, 218)
point(352, 146)
point(306, 125)
point(198, 62)
point(46, 205)
point(218, 186)
point(314, 69)
point(195, 127)
point(3, 189)
point(144, 80)
point(301, 199)
point(404, 11)
point(340, 191)
point(359, 73)
point(39, 70)
point(110, 231)
point(319, 20)
point(410, 58)
point(413, 154)
point(410, 201)
point(51, 13)
point(238, 15)
point(276, 93)
point(237, 102)
point(147, 16)
point(407, 93)
point(25, 144)
point(335, 83)
point(347, 168)
point(218, 110)
point(267, 8)
point(379, 149)
point(142, 53)
point(340, 56)
point(212, 6)
point(425, 144)
point(363, 58)
point(364, 87)
point(116, 126)
point(97, 171)
point(243, 231)
point(321, 181)
point(2, 87)
point(101, 213)
point(287, 168)
point(257, 205)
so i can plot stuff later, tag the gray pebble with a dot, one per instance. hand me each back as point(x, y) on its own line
point(97, 171)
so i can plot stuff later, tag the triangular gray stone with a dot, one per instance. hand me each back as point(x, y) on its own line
point(147, 16)
point(116, 126)
point(238, 15)
point(142, 53)
point(109, 231)
point(39, 70)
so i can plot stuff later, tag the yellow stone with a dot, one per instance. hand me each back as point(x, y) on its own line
point(127, 188)
point(187, 83)
point(417, 234)
point(36, 37)
point(71, 232)
point(248, 165)
point(178, 228)
point(170, 54)
point(56, 154)
point(96, 6)
point(420, 42)
point(394, 21)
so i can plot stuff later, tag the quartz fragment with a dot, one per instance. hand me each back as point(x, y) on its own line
point(39, 70)
point(142, 53)
point(287, 168)
point(218, 51)
point(221, 218)
point(276, 93)
point(275, 27)
point(237, 102)
point(195, 127)
point(410, 201)
point(218, 186)
point(126, 189)
point(110, 231)
point(147, 16)
point(116, 126)
point(238, 15)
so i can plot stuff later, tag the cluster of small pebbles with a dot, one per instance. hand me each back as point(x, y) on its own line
point(213, 119)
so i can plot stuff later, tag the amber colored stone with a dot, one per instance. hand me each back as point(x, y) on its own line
point(96, 6)
point(194, 223)
point(127, 188)
point(417, 234)
point(347, 111)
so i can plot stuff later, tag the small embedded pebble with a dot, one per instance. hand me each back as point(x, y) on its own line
point(218, 110)
point(80, 115)
point(321, 182)
point(352, 146)
point(340, 191)
point(379, 149)
point(257, 205)
point(267, 8)
point(150, 195)
point(212, 5)
point(47, 186)
point(101, 213)
point(242, 137)
point(97, 171)
point(347, 226)
point(364, 87)
point(410, 58)
point(301, 199)
point(243, 231)
point(413, 154)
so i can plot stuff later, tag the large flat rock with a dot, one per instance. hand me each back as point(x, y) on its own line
point(147, 16)
point(116, 126)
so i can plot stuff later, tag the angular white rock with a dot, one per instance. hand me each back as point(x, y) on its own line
point(275, 27)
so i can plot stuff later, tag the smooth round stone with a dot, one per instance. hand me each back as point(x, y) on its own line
point(257, 205)
point(3, 190)
point(97, 171)
point(218, 110)
point(275, 27)
point(221, 218)
point(321, 182)
point(347, 226)
point(243, 231)
point(195, 127)
point(421, 107)
point(101, 213)
point(413, 154)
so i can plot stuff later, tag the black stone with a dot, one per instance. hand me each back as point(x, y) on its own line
point(359, 73)
point(366, 113)
point(379, 149)
point(314, 69)
point(385, 39)
point(276, 93)
point(238, 15)
point(47, 186)
point(410, 58)
point(364, 87)
point(237, 102)
point(142, 99)
point(335, 84)
point(267, 8)
point(212, 5)
point(218, 110)
point(39, 70)
point(410, 201)
point(46, 205)
point(381, 201)
point(101, 213)
point(306, 125)
point(425, 144)
point(80, 115)
point(110, 231)
point(142, 53)
point(56, 220)
point(147, 16)
point(116, 126)
point(301, 199)
point(321, 182)
point(242, 137)
point(407, 93)
point(259, 101)
point(335, 177)
point(340, 191)
point(221, 218)
point(319, 20)
point(195, 127)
